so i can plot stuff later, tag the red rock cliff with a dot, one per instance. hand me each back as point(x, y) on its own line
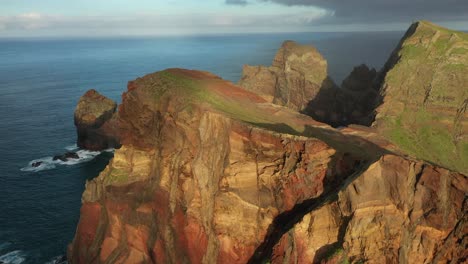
point(211, 173)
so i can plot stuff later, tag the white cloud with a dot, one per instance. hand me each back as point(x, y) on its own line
point(152, 24)
point(26, 21)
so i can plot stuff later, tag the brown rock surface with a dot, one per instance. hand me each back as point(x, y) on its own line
point(211, 173)
point(94, 120)
point(298, 80)
point(297, 74)
point(193, 185)
point(397, 211)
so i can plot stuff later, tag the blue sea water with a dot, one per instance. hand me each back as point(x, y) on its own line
point(41, 81)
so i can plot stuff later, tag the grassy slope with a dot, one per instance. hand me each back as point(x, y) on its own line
point(431, 58)
point(239, 104)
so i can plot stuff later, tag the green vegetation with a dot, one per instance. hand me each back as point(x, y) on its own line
point(412, 51)
point(116, 176)
point(459, 51)
point(425, 87)
point(420, 135)
point(337, 252)
point(197, 90)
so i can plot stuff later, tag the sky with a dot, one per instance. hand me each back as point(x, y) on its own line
point(42, 18)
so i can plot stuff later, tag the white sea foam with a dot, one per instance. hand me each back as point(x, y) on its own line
point(71, 147)
point(14, 257)
point(58, 260)
point(48, 163)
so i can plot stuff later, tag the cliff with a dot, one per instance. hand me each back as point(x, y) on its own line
point(418, 101)
point(209, 172)
point(425, 96)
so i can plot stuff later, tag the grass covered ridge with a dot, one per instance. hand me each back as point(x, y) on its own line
point(424, 91)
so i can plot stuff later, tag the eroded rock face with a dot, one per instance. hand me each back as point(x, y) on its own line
point(298, 79)
point(425, 96)
point(397, 211)
point(190, 185)
point(211, 173)
point(297, 74)
point(94, 116)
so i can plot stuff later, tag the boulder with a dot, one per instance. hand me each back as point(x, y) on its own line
point(67, 156)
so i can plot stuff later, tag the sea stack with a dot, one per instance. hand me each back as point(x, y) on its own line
point(95, 122)
point(295, 77)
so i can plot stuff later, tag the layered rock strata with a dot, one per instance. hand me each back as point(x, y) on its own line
point(211, 173)
point(207, 172)
point(397, 211)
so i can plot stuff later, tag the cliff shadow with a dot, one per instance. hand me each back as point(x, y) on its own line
point(345, 143)
point(288, 219)
point(353, 102)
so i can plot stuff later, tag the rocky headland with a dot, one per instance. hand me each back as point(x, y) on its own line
point(207, 171)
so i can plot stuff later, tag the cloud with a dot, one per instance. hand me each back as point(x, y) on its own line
point(236, 2)
point(159, 24)
point(357, 11)
point(23, 21)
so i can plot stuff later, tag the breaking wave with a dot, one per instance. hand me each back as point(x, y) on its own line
point(13, 257)
point(48, 163)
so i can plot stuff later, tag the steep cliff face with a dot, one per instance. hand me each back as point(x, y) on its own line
point(298, 79)
point(297, 74)
point(425, 96)
point(211, 173)
point(397, 211)
point(193, 184)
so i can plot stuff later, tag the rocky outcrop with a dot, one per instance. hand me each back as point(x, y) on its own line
point(424, 96)
point(397, 211)
point(418, 100)
point(192, 183)
point(298, 79)
point(211, 173)
point(95, 122)
point(297, 74)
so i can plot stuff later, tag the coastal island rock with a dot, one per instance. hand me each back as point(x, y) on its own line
point(95, 122)
point(66, 156)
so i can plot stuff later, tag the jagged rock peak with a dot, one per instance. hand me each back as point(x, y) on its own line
point(361, 78)
point(94, 109)
point(424, 95)
point(295, 77)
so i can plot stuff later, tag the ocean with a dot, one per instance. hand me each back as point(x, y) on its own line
point(41, 81)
